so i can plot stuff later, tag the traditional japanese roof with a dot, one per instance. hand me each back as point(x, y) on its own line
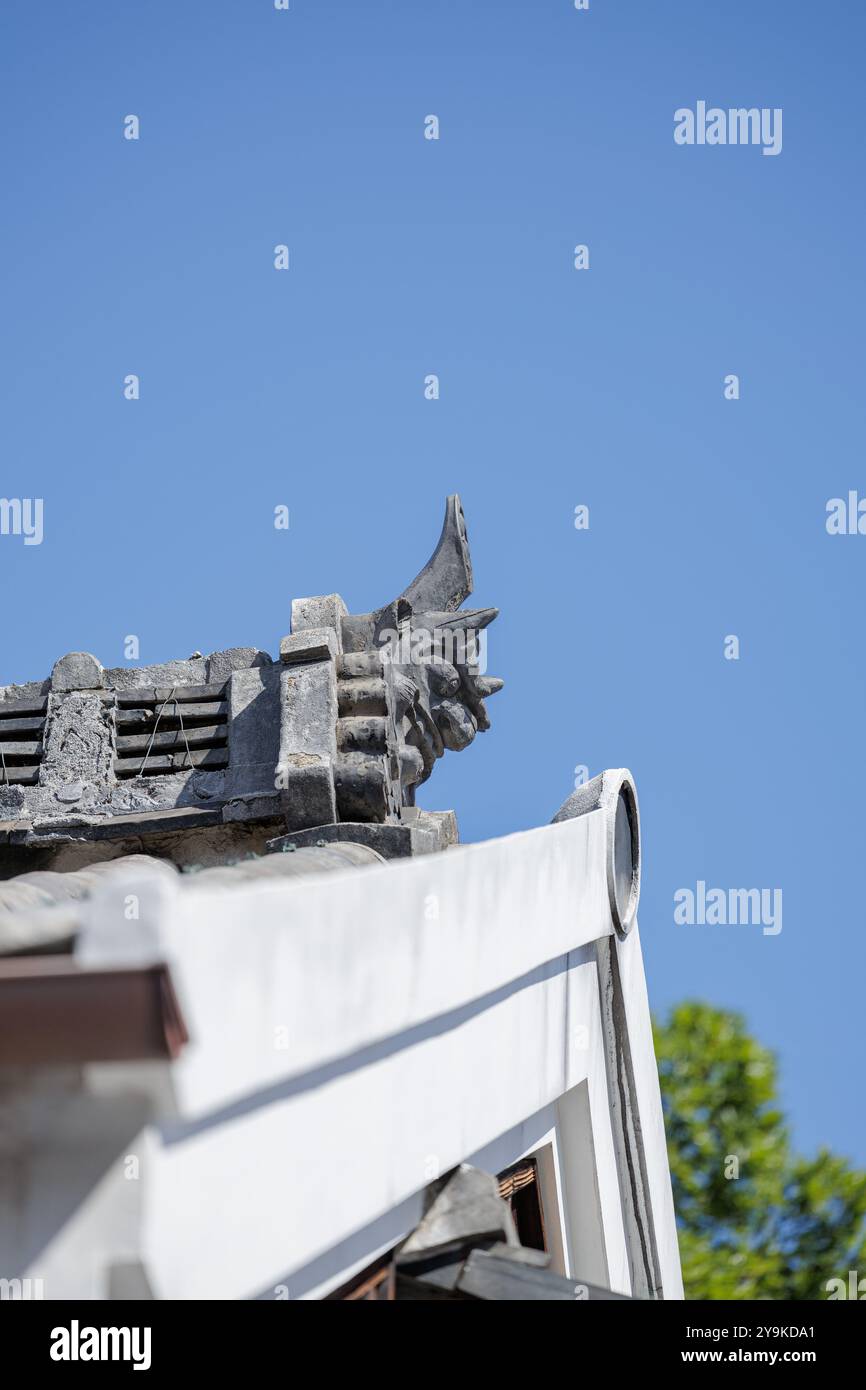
point(237, 746)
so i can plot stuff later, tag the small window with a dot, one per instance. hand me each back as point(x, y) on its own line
point(520, 1188)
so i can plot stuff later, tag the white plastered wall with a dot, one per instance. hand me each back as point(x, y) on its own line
point(351, 1037)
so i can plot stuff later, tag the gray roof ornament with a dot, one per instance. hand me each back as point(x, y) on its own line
point(430, 655)
point(446, 579)
point(339, 732)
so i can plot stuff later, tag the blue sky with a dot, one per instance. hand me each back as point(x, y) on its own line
point(558, 388)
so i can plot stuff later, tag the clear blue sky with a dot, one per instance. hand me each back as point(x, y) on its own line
point(603, 387)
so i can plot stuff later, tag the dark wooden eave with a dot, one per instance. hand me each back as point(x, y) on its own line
point(55, 1012)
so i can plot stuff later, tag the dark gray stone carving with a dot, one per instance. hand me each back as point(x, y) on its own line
point(340, 729)
point(409, 685)
point(430, 656)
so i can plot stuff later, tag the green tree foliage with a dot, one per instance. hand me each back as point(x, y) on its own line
point(755, 1220)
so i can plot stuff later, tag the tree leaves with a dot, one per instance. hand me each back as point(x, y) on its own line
point(755, 1221)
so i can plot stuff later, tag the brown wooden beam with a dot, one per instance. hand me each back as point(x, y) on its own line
point(56, 1012)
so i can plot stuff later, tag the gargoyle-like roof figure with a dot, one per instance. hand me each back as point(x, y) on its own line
point(240, 747)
